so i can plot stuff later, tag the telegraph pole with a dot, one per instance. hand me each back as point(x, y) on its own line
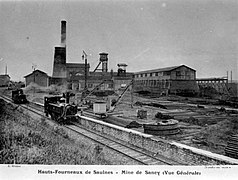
point(132, 91)
point(227, 79)
point(84, 57)
point(34, 77)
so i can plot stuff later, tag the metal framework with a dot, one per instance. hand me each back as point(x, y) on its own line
point(220, 84)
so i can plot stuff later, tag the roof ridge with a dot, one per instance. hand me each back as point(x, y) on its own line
point(169, 67)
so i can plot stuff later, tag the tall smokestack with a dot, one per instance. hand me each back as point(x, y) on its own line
point(63, 33)
point(59, 66)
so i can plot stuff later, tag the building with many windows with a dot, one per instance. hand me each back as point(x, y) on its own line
point(174, 80)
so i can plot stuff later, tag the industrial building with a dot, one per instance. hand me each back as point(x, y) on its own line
point(77, 76)
point(4, 80)
point(62, 70)
point(170, 80)
point(38, 77)
point(109, 80)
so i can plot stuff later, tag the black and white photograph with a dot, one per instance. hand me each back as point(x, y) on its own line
point(113, 89)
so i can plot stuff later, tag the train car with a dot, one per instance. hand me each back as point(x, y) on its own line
point(18, 96)
point(59, 110)
point(100, 109)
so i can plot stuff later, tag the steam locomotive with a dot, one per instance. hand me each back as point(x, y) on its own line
point(59, 110)
point(18, 96)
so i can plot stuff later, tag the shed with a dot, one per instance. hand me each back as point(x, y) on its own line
point(37, 76)
point(4, 80)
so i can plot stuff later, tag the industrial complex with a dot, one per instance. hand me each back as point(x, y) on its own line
point(164, 115)
point(180, 80)
point(77, 76)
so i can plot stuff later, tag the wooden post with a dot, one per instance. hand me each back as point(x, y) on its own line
point(132, 89)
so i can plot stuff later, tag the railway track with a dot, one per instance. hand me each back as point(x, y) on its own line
point(29, 106)
point(134, 153)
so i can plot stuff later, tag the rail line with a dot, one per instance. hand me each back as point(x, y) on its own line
point(29, 106)
point(134, 153)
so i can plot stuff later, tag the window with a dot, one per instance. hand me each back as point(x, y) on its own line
point(178, 73)
point(70, 86)
point(187, 74)
point(141, 75)
point(156, 74)
point(151, 74)
point(166, 83)
point(158, 83)
point(163, 83)
point(145, 75)
point(166, 73)
point(90, 85)
point(154, 83)
point(110, 85)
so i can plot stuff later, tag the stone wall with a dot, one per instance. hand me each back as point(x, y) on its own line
point(178, 152)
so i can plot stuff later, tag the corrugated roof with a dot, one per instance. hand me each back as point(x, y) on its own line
point(162, 69)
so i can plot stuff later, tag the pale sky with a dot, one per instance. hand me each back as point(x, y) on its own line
point(145, 34)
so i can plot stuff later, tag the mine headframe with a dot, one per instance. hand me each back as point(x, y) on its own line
point(103, 59)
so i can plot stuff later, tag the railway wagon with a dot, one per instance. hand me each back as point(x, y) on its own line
point(59, 110)
point(100, 108)
point(18, 96)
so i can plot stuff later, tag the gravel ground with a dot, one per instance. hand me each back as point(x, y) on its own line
point(206, 128)
point(31, 140)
